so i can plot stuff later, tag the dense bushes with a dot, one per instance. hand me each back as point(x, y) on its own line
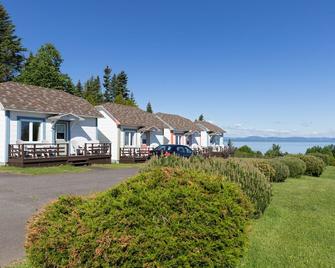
point(314, 165)
point(161, 218)
point(282, 171)
point(296, 166)
point(327, 158)
point(246, 151)
point(263, 166)
point(255, 185)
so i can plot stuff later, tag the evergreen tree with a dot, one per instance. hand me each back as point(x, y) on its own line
point(92, 91)
point(78, 90)
point(11, 50)
point(109, 93)
point(149, 108)
point(43, 69)
point(201, 117)
point(122, 85)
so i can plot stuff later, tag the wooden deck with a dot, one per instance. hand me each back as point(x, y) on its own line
point(32, 155)
point(133, 155)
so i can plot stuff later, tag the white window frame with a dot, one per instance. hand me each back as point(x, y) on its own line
point(30, 121)
point(131, 137)
point(178, 139)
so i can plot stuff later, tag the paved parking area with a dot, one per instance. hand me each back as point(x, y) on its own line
point(21, 196)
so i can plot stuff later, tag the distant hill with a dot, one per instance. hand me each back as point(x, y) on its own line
point(281, 139)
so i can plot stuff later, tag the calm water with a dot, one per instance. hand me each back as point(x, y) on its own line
point(290, 147)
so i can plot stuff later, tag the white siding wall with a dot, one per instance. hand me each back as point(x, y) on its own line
point(167, 136)
point(84, 131)
point(108, 131)
point(3, 137)
point(156, 138)
point(204, 139)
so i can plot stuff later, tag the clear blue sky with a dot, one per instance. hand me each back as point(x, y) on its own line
point(253, 67)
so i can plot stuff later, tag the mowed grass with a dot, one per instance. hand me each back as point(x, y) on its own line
point(119, 166)
point(298, 228)
point(43, 170)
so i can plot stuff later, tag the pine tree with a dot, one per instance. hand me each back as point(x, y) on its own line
point(201, 117)
point(11, 50)
point(43, 69)
point(149, 108)
point(109, 93)
point(92, 91)
point(122, 85)
point(78, 90)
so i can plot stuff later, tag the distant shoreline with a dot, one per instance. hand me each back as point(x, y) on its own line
point(280, 139)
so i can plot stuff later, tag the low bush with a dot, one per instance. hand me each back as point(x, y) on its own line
point(297, 167)
point(246, 151)
point(328, 159)
point(254, 184)
point(314, 165)
point(282, 171)
point(263, 166)
point(161, 218)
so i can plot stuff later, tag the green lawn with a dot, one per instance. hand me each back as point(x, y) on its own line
point(298, 228)
point(119, 166)
point(43, 170)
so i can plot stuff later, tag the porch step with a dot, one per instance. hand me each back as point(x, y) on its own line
point(78, 161)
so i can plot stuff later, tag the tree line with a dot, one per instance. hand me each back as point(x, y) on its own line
point(44, 69)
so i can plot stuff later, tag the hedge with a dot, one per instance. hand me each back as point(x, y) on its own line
point(160, 218)
point(327, 158)
point(314, 165)
point(254, 184)
point(282, 171)
point(297, 167)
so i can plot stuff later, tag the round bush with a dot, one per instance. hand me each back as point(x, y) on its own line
point(282, 171)
point(296, 166)
point(253, 183)
point(265, 167)
point(161, 218)
point(314, 165)
point(328, 159)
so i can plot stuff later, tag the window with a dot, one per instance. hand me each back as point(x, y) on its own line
point(25, 131)
point(60, 132)
point(188, 150)
point(31, 131)
point(215, 140)
point(180, 150)
point(178, 139)
point(129, 139)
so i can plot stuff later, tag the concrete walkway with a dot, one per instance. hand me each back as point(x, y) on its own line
point(21, 196)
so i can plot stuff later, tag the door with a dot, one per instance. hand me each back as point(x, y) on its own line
point(61, 132)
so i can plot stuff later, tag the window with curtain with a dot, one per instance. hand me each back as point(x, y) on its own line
point(129, 139)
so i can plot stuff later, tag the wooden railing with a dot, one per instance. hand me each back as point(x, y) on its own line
point(134, 153)
point(212, 152)
point(46, 150)
point(98, 149)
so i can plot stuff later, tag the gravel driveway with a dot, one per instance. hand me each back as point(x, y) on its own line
point(21, 196)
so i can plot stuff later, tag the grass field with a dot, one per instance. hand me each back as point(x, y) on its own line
point(119, 166)
point(298, 228)
point(43, 170)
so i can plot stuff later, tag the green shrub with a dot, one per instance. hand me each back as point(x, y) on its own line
point(263, 166)
point(328, 159)
point(282, 170)
point(274, 151)
point(297, 167)
point(161, 218)
point(246, 151)
point(254, 184)
point(314, 165)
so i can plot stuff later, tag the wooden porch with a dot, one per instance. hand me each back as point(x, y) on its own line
point(30, 155)
point(212, 152)
point(134, 155)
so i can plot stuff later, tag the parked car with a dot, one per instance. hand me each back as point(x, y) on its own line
point(169, 149)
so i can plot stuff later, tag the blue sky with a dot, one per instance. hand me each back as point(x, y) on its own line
point(253, 67)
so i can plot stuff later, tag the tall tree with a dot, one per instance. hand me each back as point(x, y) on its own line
point(122, 85)
point(43, 69)
point(108, 84)
point(92, 91)
point(149, 108)
point(201, 117)
point(11, 50)
point(78, 90)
